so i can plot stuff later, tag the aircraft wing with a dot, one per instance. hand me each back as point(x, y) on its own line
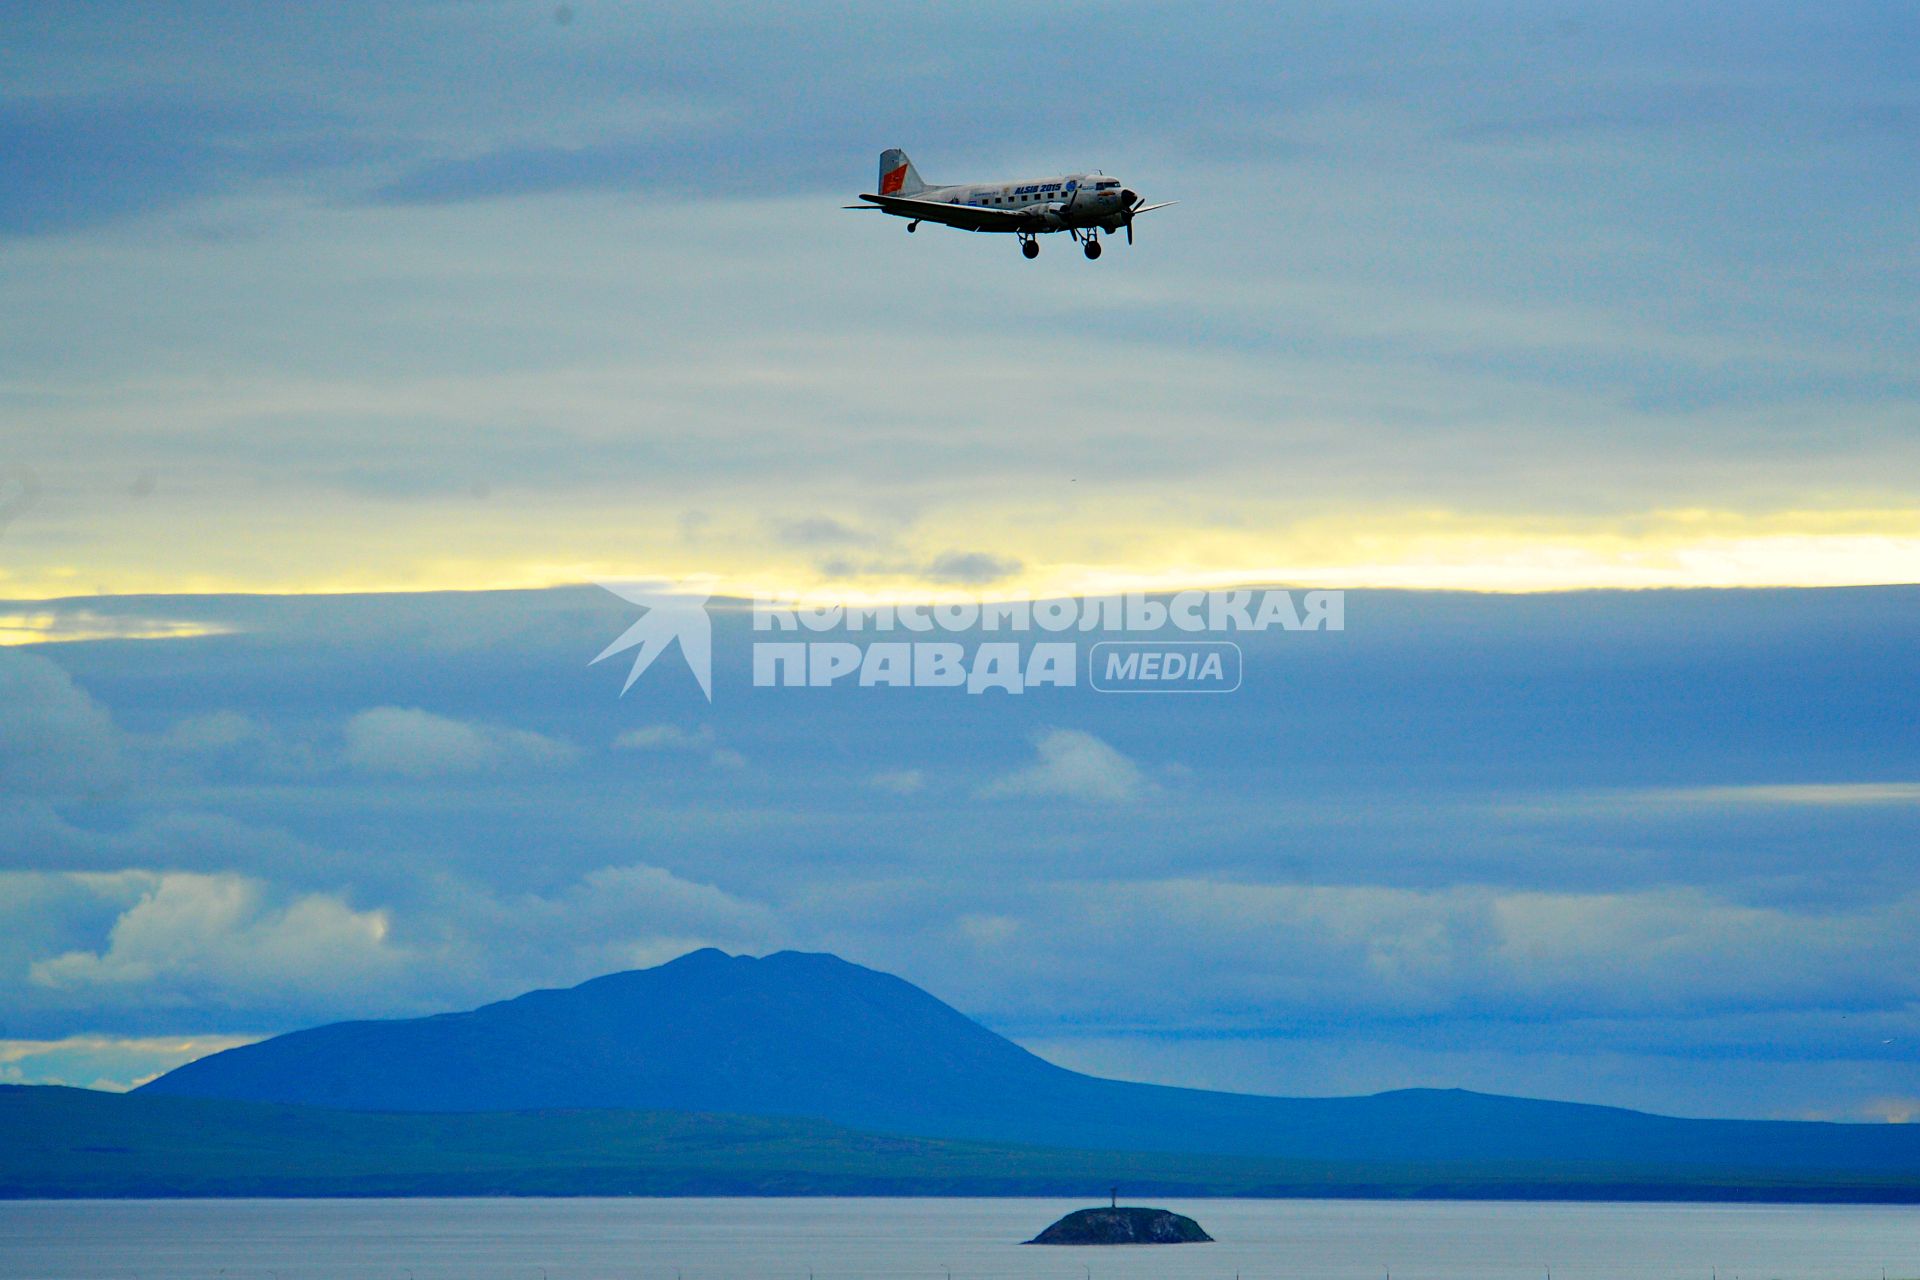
point(968, 217)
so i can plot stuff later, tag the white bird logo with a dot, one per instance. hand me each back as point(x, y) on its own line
point(674, 611)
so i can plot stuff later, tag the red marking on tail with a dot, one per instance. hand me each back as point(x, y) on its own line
point(893, 181)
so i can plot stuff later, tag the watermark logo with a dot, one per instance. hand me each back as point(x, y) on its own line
point(1154, 666)
point(1129, 643)
point(673, 613)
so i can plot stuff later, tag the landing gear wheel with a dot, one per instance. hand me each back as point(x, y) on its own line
point(1091, 249)
point(1031, 248)
point(912, 227)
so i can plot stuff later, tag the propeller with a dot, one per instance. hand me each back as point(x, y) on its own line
point(1132, 200)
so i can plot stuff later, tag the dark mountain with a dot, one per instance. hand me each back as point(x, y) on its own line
point(814, 1036)
point(793, 1034)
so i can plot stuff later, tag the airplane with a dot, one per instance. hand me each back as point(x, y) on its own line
point(1080, 204)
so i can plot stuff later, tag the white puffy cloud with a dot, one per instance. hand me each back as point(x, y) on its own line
point(113, 1063)
point(190, 937)
point(1075, 765)
point(136, 951)
point(413, 743)
point(646, 914)
point(672, 738)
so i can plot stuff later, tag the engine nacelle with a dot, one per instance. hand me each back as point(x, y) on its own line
point(1051, 216)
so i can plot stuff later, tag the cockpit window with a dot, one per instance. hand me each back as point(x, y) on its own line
point(1105, 185)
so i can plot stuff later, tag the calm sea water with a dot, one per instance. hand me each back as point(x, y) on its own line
point(930, 1239)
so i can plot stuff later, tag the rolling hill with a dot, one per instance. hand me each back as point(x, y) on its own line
point(59, 1142)
point(814, 1037)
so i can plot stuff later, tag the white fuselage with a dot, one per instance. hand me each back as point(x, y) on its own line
point(1071, 200)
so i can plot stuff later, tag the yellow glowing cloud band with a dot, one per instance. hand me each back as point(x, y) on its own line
point(1064, 551)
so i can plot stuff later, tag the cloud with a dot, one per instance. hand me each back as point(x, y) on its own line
point(113, 1063)
point(971, 568)
point(224, 938)
point(69, 621)
point(679, 168)
point(1807, 794)
point(825, 531)
point(620, 916)
point(213, 731)
point(54, 738)
point(1407, 301)
point(672, 738)
point(949, 568)
point(656, 900)
point(1345, 869)
point(899, 782)
point(1903, 1110)
point(78, 159)
point(144, 952)
point(1276, 954)
point(665, 737)
point(162, 829)
point(413, 743)
point(1761, 1082)
point(1075, 765)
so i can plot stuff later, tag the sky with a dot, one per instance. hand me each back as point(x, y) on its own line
point(346, 349)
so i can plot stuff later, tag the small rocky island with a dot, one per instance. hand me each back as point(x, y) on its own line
point(1123, 1225)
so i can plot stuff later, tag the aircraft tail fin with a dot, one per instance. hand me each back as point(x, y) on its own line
point(898, 177)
